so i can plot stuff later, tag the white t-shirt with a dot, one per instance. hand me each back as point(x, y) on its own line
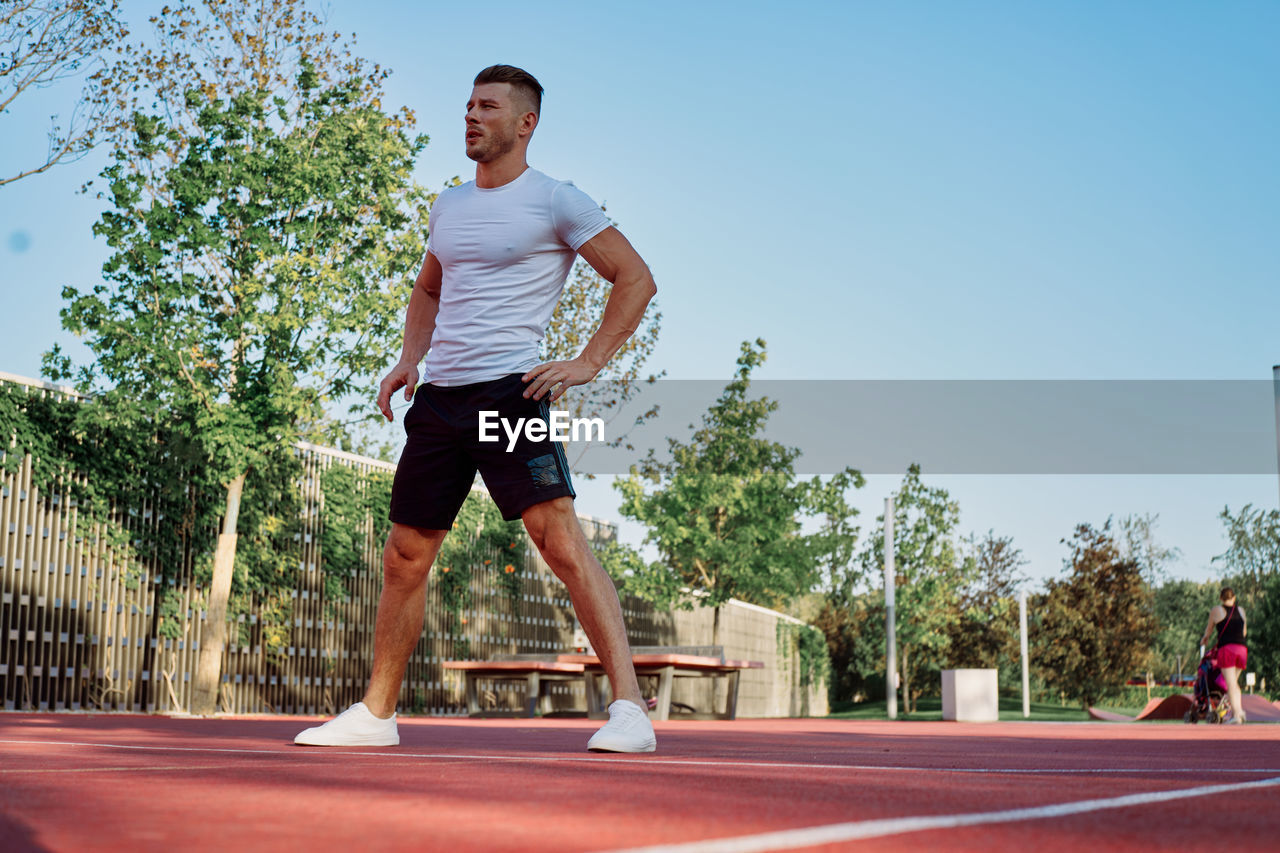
point(505, 253)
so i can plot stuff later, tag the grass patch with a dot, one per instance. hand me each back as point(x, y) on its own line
point(1116, 709)
point(931, 709)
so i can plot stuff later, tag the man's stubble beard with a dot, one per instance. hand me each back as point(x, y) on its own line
point(493, 147)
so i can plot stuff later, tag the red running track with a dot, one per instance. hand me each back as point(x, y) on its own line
point(108, 782)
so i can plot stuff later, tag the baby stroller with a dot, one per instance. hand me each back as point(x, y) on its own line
point(1209, 699)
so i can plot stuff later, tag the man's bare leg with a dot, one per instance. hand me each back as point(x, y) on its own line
point(406, 562)
point(553, 525)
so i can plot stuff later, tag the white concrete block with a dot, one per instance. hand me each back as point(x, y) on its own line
point(970, 695)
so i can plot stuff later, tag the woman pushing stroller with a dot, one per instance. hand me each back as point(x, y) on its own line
point(1228, 624)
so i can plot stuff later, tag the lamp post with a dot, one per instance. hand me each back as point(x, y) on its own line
point(1275, 383)
point(1026, 675)
point(891, 647)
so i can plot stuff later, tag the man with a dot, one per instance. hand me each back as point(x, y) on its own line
point(498, 253)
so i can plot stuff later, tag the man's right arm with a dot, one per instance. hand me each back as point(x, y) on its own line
point(419, 325)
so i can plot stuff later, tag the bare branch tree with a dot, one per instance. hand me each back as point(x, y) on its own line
point(43, 42)
point(577, 316)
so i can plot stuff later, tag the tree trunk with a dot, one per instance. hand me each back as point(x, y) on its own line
point(715, 641)
point(906, 679)
point(204, 694)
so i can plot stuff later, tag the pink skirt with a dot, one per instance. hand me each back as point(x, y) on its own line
point(1233, 655)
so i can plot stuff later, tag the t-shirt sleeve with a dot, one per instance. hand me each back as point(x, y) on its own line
point(433, 217)
point(577, 218)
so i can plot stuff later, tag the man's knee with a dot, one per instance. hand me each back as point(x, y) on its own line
point(543, 520)
point(563, 554)
point(553, 526)
point(407, 556)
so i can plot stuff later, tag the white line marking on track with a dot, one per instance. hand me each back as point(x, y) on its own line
point(790, 839)
point(146, 768)
point(321, 751)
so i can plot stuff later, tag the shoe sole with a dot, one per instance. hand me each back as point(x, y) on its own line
point(353, 742)
point(629, 750)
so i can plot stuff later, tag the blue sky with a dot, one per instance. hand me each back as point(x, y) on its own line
point(891, 190)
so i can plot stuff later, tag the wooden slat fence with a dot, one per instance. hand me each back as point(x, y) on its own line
point(79, 624)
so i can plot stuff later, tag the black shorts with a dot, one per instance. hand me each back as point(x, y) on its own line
point(444, 451)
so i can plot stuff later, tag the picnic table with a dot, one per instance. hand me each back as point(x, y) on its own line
point(665, 663)
point(666, 667)
point(536, 674)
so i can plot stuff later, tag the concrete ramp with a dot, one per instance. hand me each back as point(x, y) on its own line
point(1259, 710)
point(1256, 710)
point(1163, 708)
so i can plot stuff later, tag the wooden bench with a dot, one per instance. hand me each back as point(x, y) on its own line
point(665, 663)
point(666, 667)
point(535, 671)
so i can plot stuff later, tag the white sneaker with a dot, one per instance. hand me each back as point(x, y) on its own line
point(628, 730)
point(356, 726)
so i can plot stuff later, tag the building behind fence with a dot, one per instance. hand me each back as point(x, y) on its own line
point(79, 626)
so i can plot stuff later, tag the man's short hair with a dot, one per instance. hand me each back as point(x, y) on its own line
point(520, 80)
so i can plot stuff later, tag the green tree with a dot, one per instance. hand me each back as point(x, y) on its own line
point(985, 631)
point(930, 573)
point(1252, 563)
point(1264, 633)
point(726, 511)
point(1136, 540)
point(853, 624)
point(264, 244)
point(1096, 623)
point(1254, 553)
point(1181, 608)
